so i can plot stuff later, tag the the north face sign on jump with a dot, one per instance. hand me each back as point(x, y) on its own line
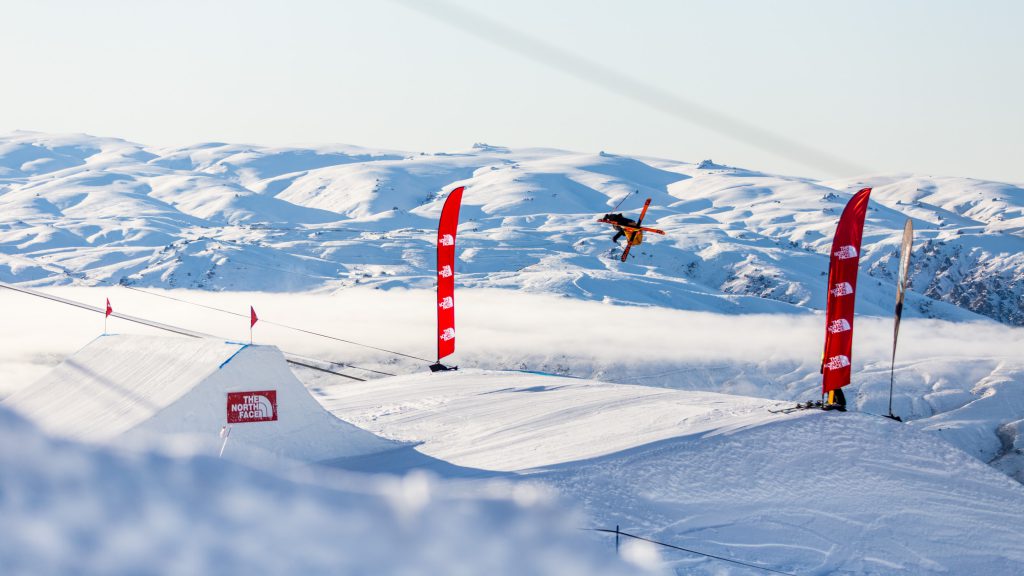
point(252, 406)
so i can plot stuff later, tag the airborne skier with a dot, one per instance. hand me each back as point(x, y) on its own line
point(633, 230)
point(617, 221)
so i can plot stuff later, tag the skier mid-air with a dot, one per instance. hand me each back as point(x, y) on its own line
point(633, 230)
point(618, 221)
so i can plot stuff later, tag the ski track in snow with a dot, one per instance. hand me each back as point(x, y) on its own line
point(744, 255)
point(715, 473)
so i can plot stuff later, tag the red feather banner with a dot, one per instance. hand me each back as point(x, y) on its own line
point(842, 287)
point(446, 230)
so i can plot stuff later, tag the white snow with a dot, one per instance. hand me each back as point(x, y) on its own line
point(133, 387)
point(68, 508)
point(963, 389)
point(225, 216)
point(809, 492)
point(657, 421)
point(517, 421)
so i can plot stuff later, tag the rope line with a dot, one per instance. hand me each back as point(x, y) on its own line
point(342, 364)
point(280, 325)
point(161, 326)
point(674, 547)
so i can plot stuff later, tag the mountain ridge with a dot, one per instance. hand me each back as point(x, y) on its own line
point(84, 210)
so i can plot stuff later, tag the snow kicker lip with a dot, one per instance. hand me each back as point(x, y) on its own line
point(121, 386)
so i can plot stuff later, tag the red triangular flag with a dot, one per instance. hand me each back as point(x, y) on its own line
point(109, 309)
point(252, 317)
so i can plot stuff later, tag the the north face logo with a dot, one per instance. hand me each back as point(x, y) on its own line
point(448, 334)
point(445, 272)
point(447, 240)
point(837, 326)
point(842, 289)
point(837, 362)
point(446, 303)
point(258, 406)
point(846, 252)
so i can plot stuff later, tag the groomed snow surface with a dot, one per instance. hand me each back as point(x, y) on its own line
point(807, 493)
point(68, 508)
point(515, 460)
point(657, 420)
point(122, 387)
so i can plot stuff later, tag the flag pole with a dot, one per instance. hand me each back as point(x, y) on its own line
point(252, 322)
point(106, 314)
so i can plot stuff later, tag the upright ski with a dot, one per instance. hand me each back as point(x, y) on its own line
point(637, 234)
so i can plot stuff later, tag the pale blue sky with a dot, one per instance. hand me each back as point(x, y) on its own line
point(935, 87)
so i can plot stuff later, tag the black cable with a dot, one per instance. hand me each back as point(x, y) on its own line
point(304, 365)
point(303, 330)
point(674, 547)
point(108, 283)
point(593, 72)
point(333, 363)
point(152, 324)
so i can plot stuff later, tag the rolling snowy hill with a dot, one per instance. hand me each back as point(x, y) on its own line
point(723, 324)
point(90, 211)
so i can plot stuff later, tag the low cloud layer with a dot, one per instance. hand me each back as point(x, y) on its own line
point(496, 329)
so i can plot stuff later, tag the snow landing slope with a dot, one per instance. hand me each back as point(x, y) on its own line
point(70, 508)
point(88, 211)
point(122, 387)
point(808, 493)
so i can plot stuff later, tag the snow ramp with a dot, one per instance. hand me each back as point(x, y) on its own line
point(810, 492)
point(516, 421)
point(131, 386)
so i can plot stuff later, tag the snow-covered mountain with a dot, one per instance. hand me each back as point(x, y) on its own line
point(83, 210)
point(688, 453)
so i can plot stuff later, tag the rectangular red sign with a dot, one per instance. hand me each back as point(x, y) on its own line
point(258, 406)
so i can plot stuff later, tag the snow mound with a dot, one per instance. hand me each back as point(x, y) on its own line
point(809, 492)
point(542, 420)
point(68, 508)
point(124, 387)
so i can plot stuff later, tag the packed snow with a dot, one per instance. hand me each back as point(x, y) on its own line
point(69, 508)
point(807, 493)
point(592, 393)
point(144, 387)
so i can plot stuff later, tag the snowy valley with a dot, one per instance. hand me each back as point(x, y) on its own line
point(591, 392)
point(86, 211)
